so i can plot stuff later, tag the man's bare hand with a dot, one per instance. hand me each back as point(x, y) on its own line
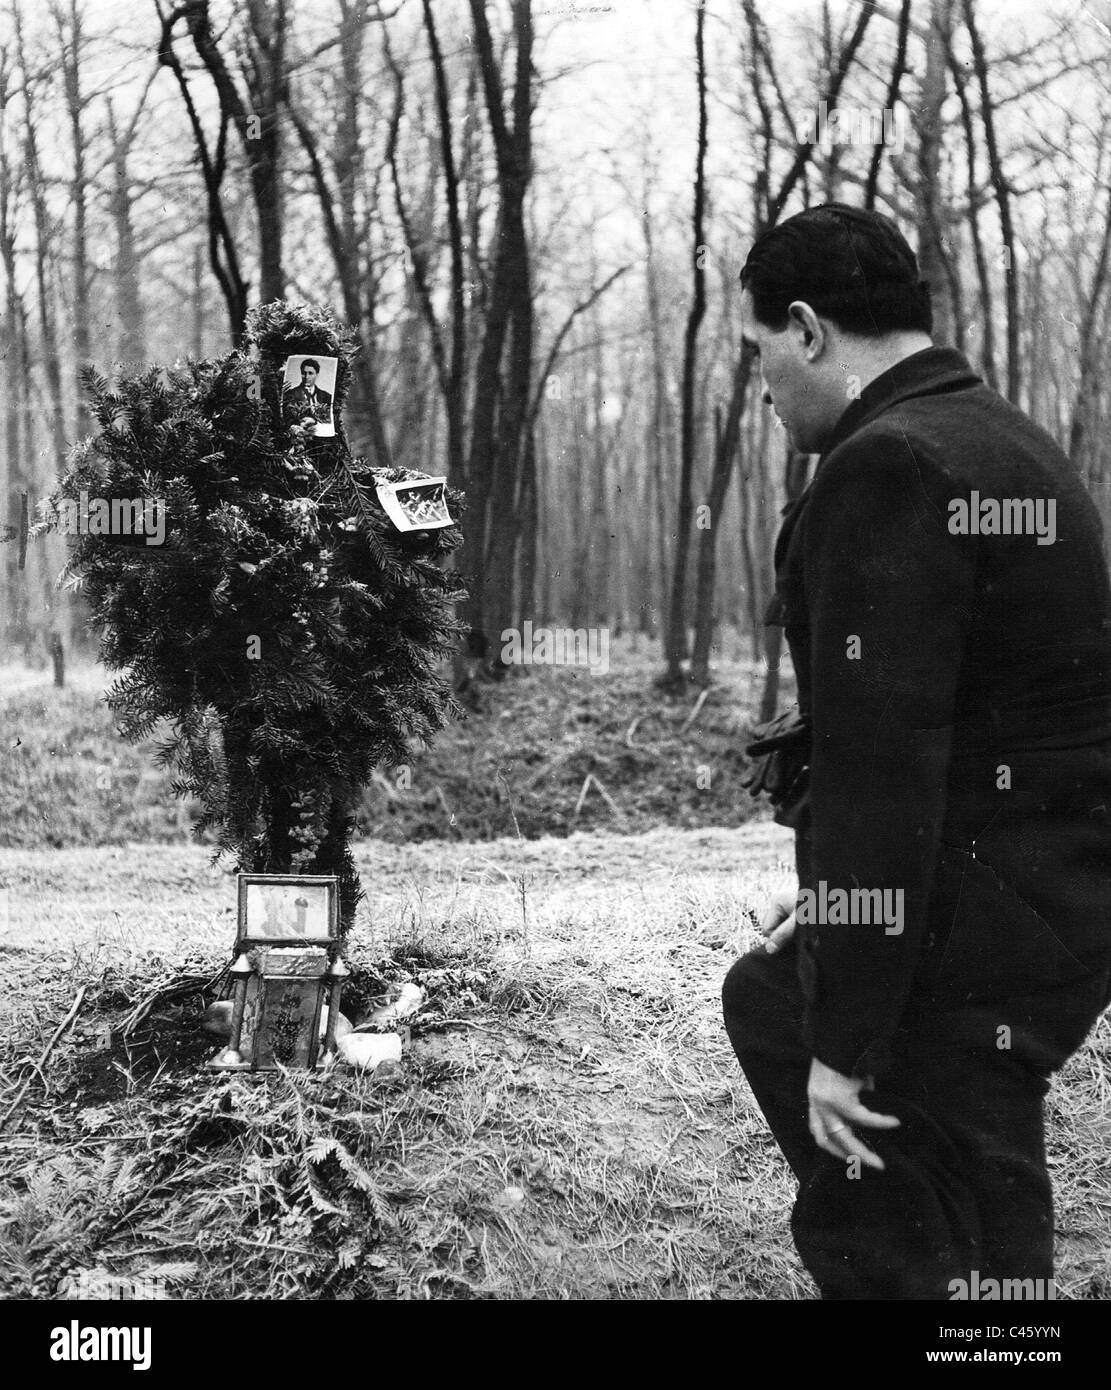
point(836, 1110)
point(778, 923)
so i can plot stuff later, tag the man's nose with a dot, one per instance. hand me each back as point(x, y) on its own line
point(766, 395)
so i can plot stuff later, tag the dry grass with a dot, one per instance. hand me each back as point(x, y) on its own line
point(569, 1121)
point(517, 766)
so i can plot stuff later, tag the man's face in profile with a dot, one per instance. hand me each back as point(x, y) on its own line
point(308, 377)
point(790, 380)
point(780, 374)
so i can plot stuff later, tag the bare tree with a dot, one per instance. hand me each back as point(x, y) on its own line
point(453, 367)
point(898, 70)
point(127, 268)
point(983, 277)
point(17, 449)
point(675, 636)
point(501, 394)
point(347, 232)
point(932, 225)
point(223, 254)
point(254, 105)
point(69, 29)
point(1002, 191)
point(766, 215)
point(1090, 344)
point(44, 246)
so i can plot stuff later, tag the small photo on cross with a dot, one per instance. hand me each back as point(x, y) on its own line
point(308, 391)
point(416, 505)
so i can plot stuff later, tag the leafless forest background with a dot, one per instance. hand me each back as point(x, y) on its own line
point(533, 213)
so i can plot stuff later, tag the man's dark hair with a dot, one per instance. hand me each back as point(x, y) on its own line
point(851, 266)
point(311, 362)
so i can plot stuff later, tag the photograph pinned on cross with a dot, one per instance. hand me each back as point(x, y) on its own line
point(308, 391)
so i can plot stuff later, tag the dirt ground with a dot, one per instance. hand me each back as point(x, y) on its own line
point(567, 1121)
point(576, 1056)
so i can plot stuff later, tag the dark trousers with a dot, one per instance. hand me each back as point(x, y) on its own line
point(965, 1185)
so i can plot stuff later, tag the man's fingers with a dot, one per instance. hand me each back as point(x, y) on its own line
point(834, 1131)
point(781, 935)
point(847, 1145)
point(771, 919)
point(872, 1119)
point(782, 905)
point(840, 1141)
point(829, 1114)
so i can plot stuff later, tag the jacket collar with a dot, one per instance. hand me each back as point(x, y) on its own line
point(930, 372)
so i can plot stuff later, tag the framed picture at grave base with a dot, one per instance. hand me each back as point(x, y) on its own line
point(288, 909)
point(282, 1017)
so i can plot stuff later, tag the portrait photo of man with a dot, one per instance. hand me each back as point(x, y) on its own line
point(307, 395)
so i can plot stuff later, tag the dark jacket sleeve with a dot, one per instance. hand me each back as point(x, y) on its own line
point(888, 596)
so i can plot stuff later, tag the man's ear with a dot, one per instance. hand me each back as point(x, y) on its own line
point(813, 333)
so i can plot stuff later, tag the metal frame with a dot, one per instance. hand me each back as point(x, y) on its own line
point(330, 882)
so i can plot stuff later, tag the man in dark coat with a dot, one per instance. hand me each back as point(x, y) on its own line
point(945, 598)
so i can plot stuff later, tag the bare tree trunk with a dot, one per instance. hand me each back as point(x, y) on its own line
point(658, 436)
point(1002, 192)
point(797, 469)
point(223, 254)
point(898, 70)
point(530, 533)
point(595, 575)
point(931, 218)
point(676, 631)
point(70, 45)
point(129, 301)
point(724, 456)
point(48, 332)
point(257, 118)
point(198, 303)
point(750, 520)
point(267, 81)
point(1090, 345)
point(545, 521)
point(766, 216)
point(345, 241)
point(17, 449)
point(501, 397)
point(987, 307)
point(454, 382)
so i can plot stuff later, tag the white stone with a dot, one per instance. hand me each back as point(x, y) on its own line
point(369, 1050)
point(409, 1000)
point(343, 1024)
point(216, 1019)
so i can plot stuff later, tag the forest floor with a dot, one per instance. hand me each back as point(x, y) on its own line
point(567, 1121)
point(549, 752)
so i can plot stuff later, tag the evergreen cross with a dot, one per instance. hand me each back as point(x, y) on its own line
point(290, 636)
